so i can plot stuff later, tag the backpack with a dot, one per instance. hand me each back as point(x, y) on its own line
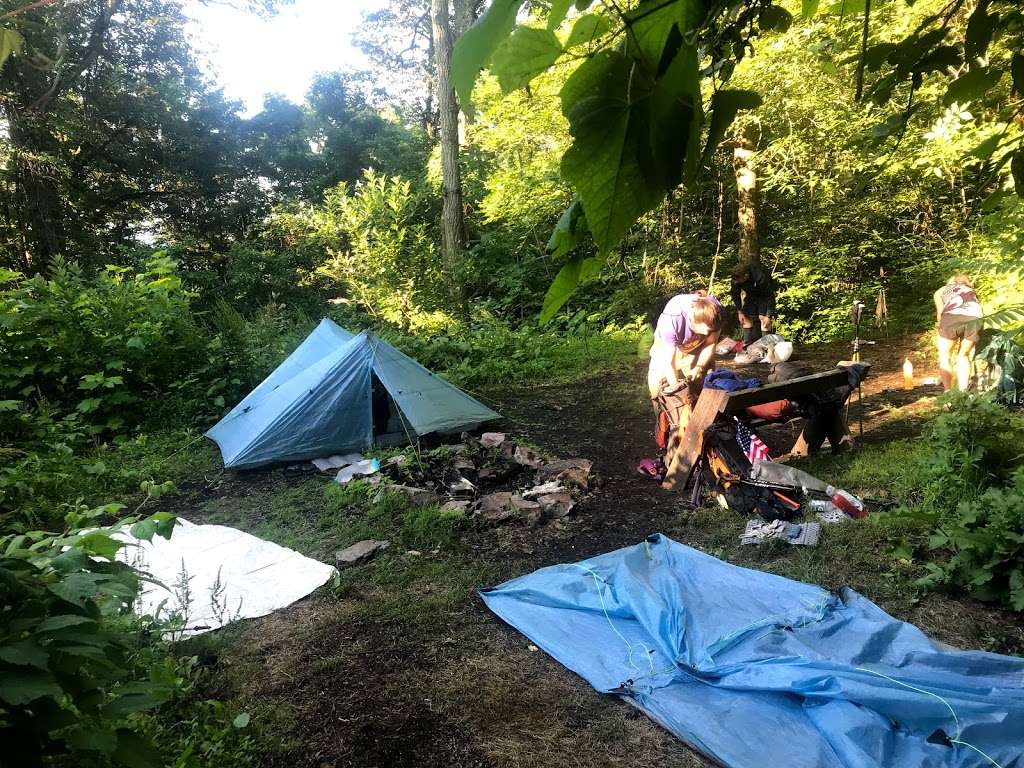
point(726, 472)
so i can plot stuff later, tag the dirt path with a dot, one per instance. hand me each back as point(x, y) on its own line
point(412, 670)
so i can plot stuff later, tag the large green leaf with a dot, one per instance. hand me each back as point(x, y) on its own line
point(25, 653)
point(725, 105)
point(100, 544)
point(587, 29)
point(610, 137)
point(972, 86)
point(559, 9)
point(524, 55)
point(10, 43)
point(808, 8)
point(649, 25)
point(579, 269)
point(568, 232)
point(675, 121)
point(980, 27)
point(160, 524)
point(473, 50)
point(23, 686)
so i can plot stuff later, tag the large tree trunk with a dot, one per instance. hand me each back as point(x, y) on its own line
point(746, 198)
point(38, 210)
point(453, 228)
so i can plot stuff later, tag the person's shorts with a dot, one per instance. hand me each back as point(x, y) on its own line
point(758, 306)
point(958, 328)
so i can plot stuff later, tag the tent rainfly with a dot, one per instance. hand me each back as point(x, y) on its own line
point(340, 392)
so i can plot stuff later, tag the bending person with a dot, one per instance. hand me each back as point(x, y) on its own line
point(683, 351)
point(753, 293)
point(958, 317)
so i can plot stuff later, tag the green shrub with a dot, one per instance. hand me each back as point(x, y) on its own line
point(70, 682)
point(102, 347)
point(986, 539)
point(972, 444)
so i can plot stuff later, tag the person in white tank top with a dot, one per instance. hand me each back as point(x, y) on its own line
point(958, 316)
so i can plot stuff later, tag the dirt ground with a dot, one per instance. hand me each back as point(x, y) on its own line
point(412, 670)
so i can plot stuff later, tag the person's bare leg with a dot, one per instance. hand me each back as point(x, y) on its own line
point(945, 348)
point(766, 323)
point(965, 364)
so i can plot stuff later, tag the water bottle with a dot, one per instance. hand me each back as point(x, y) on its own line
point(846, 502)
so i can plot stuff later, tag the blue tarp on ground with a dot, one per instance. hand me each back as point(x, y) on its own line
point(753, 669)
point(319, 401)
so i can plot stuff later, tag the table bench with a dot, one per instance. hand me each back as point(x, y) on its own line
point(716, 404)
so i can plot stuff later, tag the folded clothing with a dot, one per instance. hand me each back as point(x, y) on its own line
point(729, 381)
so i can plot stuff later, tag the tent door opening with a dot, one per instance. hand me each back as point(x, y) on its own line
point(389, 426)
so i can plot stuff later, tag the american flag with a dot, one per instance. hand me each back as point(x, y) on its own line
point(751, 443)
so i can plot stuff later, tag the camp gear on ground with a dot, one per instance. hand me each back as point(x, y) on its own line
point(230, 575)
point(782, 474)
point(779, 353)
point(652, 468)
point(727, 345)
point(846, 501)
point(749, 356)
point(827, 512)
point(908, 374)
point(775, 412)
point(725, 467)
point(729, 381)
point(754, 669)
point(319, 401)
point(364, 467)
point(759, 531)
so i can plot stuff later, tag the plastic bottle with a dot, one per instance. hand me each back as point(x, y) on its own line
point(908, 374)
point(847, 502)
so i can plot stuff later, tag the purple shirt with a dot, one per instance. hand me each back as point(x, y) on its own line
point(674, 324)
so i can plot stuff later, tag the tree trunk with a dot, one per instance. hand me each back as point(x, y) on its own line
point(38, 211)
point(746, 198)
point(453, 228)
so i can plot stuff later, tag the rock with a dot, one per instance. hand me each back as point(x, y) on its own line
point(556, 505)
point(523, 504)
point(464, 467)
point(495, 501)
point(527, 457)
point(508, 450)
point(359, 552)
point(497, 507)
point(573, 471)
point(419, 497)
point(456, 505)
point(413, 553)
point(461, 487)
point(539, 490)
point(492, 439)
point(496, 474)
